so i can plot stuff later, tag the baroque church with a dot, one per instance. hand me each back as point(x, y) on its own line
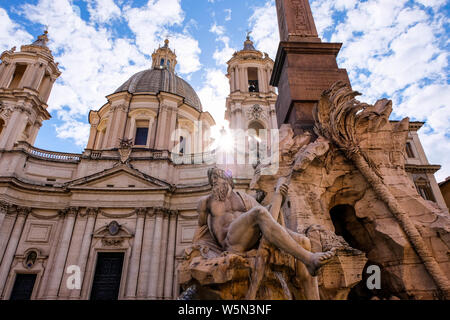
point(122, 213)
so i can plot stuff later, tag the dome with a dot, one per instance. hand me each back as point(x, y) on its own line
point(161, 79)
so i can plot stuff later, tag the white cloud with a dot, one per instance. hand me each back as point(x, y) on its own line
point(397, 48)
point(214, 93)
point(216, 29)
point(12, 34)
point(94, 63)
point(435, 4)
point(103, 11)
point(221, 56)
point(228, 14)
point(390, 49)
point(264, 25)
point(151, 25)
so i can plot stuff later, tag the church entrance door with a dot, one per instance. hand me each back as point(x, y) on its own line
point(108, 273)
point(23, 287)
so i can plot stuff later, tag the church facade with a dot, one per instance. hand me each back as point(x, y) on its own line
point(122, 212)
point(120, 215)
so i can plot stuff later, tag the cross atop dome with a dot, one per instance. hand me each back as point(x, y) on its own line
point(164, 58)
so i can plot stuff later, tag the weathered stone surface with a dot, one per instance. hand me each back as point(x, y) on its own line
point(333, 189)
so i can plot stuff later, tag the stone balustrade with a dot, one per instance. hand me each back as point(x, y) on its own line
point(48, 155)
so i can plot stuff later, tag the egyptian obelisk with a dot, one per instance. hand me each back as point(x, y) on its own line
point(304, 67)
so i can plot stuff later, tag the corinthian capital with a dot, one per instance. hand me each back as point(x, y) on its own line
point(23, 211)
point(92, 211)
point(141, 212)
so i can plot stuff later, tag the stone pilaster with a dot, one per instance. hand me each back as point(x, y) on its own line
point(10, 252)
point(155, 255)
point(133, 270)
point(163, 260)
point(144, 270)
point(170, 257)
point(91, 214)
point(60, 260)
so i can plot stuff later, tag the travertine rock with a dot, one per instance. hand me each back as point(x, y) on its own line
point(359, 189)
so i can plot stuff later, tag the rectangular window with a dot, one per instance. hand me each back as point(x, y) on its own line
point(141, 136)
point(425, 192)
point(409, 151)
point(141, 133)
point(23, 287)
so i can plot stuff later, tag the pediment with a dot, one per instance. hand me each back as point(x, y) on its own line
point(120, 178)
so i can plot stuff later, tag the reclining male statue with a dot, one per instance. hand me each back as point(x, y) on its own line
point(236, 221)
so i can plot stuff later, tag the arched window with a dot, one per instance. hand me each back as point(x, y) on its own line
point(162, 62)
point(253, 85)
point(256, 139)
point(182, 145)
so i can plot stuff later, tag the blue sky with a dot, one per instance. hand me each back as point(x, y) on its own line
point(395, 49)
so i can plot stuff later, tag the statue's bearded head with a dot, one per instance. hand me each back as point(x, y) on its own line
point(221, 182)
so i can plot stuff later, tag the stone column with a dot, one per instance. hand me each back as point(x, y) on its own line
point(45, 94)
point(242, 85)
point(8, 71)
point(155, 256)
point(266, 80)
point(144, 269)
point(38, 76)
point(170, 258)
point(132, 128)
point(120, 115)
point(111, 129)
point(60, 260)
point(91, 214)
point(12, 129)
point(233, 79)
point(171, 126)
point(34, 133)
point(3, 212)
point(162, 263)
point(4, 234)
point(133, 270)
point(22, 214)
point(245, 79)
point(92, 136)
point(162, 123)
point(261, 80)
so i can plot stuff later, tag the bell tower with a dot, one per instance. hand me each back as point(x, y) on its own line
point(26, 80)
point(252, 99)
point(250, 107)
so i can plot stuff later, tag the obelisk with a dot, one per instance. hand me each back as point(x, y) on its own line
point(304, 67)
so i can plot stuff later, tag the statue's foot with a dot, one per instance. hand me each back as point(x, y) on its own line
point(318, 260)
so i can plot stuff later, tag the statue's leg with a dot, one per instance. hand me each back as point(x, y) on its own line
point(244, 231)
point(309, 283)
